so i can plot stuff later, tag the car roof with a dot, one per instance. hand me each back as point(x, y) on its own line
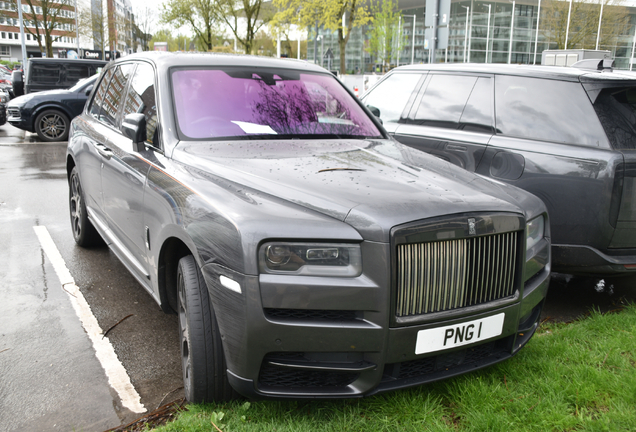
point(164, 60)
point(553, 72)
point(65, 60)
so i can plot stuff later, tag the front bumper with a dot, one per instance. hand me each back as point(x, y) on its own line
point(284, 340)
point(587, 261)
point(16, 119)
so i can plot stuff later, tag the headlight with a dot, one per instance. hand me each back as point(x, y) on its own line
point(535, 231)
point(311, 259)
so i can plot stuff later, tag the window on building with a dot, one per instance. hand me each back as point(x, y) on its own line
point(5, 50)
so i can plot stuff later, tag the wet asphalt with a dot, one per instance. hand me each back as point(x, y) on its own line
point(50, 378)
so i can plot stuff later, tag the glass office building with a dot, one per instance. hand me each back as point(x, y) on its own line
point(487, 39)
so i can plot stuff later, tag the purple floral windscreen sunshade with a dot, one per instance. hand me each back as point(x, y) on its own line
point(239, 102)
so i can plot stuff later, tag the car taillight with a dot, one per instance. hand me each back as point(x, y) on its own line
point(623, 206)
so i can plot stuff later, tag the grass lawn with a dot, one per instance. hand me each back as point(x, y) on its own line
point(570, 377)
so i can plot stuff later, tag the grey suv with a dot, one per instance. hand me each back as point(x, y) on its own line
point(567, 135)
point(306, 253)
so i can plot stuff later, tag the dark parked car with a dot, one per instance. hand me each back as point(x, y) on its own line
point(567, 135)
point(49, 113)
point(4, 99)
point(306, 253)
point(53, 74)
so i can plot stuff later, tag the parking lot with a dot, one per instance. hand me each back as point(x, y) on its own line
point(52, 379)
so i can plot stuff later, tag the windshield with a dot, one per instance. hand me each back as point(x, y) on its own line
point(257, 103)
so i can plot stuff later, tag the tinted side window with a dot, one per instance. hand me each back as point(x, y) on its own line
point(392, 94)
point(115, 93)
point(141, 99)
point(98, 99)
point(45, 73)
point(478, 113)
point(616, 108)
point(74, 73)
point(548, 110)
point(444, 100)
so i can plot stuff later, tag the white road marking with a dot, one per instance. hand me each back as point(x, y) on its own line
point(117, 376)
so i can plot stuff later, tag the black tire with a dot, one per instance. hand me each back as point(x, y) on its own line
point(202, 358)
point(84, 232)
point(52, 125)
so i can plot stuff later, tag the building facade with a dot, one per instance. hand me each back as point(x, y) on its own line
point(479, 31)
point(113, 31)
point(64, 35)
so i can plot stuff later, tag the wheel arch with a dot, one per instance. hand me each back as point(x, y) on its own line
point(70, 164)
point(37, 111)
point(172, 250)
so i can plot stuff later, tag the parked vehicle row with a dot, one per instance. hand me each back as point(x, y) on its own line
point(567, 135)
point(49, 104)
point(306, 253)
point(312, 249)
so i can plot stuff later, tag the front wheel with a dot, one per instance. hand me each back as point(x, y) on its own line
point(84, 232)
point(202, 358)
point(52, 125)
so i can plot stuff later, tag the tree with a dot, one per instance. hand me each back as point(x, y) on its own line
point(232, 12)
point(199, 15)
point(583, 22)
point(93, 25)
point(384, 33)
point(48, 21)
point(145, 19)
point(336, 15)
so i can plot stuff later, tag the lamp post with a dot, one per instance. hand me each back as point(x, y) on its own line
point(399, 40)
point(488, 32)
point(466, 31)
point(631, 59)
point(512, 29)
point(600, 18)
point(77, 31)
point(536, 37)
point(567, 28)
point(23, 42)
point(412, 38)
point(322, 48)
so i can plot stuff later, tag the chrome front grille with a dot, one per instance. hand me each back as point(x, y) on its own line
point(444, 275)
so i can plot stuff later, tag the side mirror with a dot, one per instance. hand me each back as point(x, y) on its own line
point(374, 110)
point(18, 82)
point(89, 89)
point(134, 127)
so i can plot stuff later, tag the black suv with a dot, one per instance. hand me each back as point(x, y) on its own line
point(568, 135)
point(53, 74)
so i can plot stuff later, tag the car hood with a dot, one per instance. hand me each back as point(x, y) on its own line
point(373, 185)
point(48, 94)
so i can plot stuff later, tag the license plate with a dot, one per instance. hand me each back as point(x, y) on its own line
point(442, 338)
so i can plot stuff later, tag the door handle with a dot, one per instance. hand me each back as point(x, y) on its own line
point(104, 151)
